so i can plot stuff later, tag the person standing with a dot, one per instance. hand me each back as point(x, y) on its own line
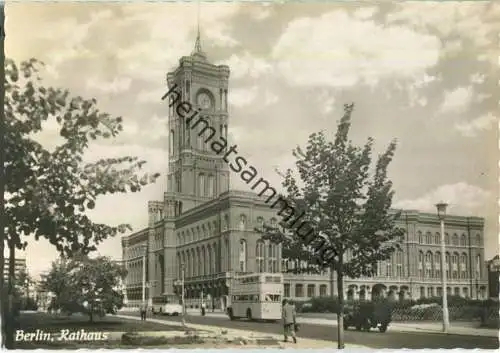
point(144, 310)
point(289, 320)
point(203, 308)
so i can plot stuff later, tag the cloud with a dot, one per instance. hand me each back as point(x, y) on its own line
point(369, 53)
point(477, 78)
point(456, 101)
point(472, 128)
point(260, 13)
point(241, 97)
point(246, 66)
point(365, 13)
point(115, 86)
point(462, 198)
point(270, 97)
point(476, 22)
point(326, 101)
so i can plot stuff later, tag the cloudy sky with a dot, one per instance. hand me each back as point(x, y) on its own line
point(422, 72)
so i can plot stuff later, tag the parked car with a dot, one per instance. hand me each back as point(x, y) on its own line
point(368, 315)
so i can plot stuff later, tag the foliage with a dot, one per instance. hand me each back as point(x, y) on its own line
point(345, 209)
point(49, 190)
point(85, 285)
point(347, 224)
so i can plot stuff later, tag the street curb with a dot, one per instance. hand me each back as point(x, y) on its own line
point(253, 338)
point(226, 334)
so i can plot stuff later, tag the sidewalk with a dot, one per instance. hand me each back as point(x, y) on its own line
point(249, 335)
point(456, 328)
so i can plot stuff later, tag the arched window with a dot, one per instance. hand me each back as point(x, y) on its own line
point(399, 263)
point(463, 266)
point(478, 266)
point(211, 185)
point(437, 238)
point(446, 238)
point(259, 256)
point(260, 223)
point(200, 264)
point(210, 259)
point(228, 255)
point(454, 263)
point(194, 267)
point(447, 265)
point(201, 184)
point(437, 264)
point(455, 239)
point(428, 264)
point(272, 258)
point(188, 91)
point(428, 238)
point(171, 142)
point(243, 255)
point(273, 223)
point(421, 264)
point(299, 290)
point(200, 142)
point(420, 237)
point(389, 267)
point(189, 269)
point(243, 222)
point(203, 260)
point(226, 222)
point(463, 240)
point(478, 239)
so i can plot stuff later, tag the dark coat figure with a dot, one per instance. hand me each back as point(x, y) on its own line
point(144, 310)
point(289, 316)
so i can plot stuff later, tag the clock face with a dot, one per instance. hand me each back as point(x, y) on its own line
point(204, 100)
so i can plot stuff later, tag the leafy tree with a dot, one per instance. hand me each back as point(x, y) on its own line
point(85, 285)
point(346, 223)
point(48, 191)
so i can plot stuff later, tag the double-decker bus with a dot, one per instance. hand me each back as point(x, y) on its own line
point(256, 296)
point(166, 305)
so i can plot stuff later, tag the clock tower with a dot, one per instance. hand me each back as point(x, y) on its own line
point(196, 174)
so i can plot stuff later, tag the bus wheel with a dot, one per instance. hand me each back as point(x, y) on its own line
point(249, 314)
point(230, 314)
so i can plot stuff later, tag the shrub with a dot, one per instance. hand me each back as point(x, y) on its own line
point(322, 305)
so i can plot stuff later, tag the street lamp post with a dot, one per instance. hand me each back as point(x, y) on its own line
point(144, 274)
point(441, 210)
point(182, 296)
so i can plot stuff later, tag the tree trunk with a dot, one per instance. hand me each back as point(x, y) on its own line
point(91, 314)
point(332, 285)
point(340, 316)
point(3, 302)
point(9, 341)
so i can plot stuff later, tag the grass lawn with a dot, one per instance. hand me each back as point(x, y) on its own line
point(54, 323)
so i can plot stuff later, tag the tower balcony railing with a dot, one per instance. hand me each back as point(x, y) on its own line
point(206, 278)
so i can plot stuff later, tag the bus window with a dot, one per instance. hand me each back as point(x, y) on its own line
point(272, 297)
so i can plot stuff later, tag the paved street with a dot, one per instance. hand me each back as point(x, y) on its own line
point(373, 339)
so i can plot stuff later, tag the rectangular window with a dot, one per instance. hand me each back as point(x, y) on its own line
point(310, 290)
point(287, 290)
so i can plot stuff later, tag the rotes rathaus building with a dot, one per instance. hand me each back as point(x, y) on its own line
point(208, 230)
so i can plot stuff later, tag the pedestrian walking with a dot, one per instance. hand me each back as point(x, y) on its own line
point(203, 308)
point(144, 310)
point(289, 320)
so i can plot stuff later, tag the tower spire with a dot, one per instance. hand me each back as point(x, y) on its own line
point(197, 45)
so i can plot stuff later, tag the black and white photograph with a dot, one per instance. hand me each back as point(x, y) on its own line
point(250, 174)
